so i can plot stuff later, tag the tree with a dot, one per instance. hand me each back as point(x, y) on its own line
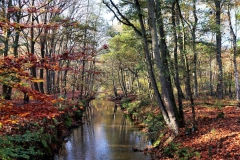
point(36, 29)
point(185, 60)
point(194, 26)
point(125, 57)
point(234, 44)
point(167, 106)
point(175, 50)
point(6, 17)
point(218, 47)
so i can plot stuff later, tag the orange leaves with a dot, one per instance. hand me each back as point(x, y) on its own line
point(54, 101)
point(32, 112)
point(216, 138)
point(24, 74)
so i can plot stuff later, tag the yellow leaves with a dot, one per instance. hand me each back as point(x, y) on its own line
point(61, 99)
point(42, 10)
point(37, 80)
point(24, 114)
point(14, 121)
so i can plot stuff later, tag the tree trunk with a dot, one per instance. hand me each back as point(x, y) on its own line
point(114, 85)
point(150, 68)
point(218, 53)
point(32, 50)
point(211, 76)
point(7, 90)
point(43, 42)
point(234, 43)
point(123, 82)
point(42, 50)
point(83, 65)
point(194, 49)
point(65, 80)
point(177, 81)
point(167, 107)
point(187, 70)
point(162, 62)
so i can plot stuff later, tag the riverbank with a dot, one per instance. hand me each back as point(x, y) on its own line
point(37, 130)
point(217, 136)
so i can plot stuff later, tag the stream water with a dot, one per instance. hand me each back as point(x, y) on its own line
point(107, 134)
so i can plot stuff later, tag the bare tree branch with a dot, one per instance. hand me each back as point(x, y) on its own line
point(118, 13)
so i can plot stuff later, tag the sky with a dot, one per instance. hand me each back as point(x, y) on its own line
point(107, 14)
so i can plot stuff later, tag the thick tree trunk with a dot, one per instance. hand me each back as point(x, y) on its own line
point(167, 89)
point(167, 107)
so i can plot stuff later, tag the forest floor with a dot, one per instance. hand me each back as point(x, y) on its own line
point(217, 137)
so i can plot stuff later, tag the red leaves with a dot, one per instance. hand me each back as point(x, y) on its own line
point(13, 9)
point(32, 10)
point(27, 113)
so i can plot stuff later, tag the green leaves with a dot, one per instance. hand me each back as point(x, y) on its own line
point(11, 147)
point(238, 42)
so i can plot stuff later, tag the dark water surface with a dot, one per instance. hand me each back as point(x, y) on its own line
point(106, 135)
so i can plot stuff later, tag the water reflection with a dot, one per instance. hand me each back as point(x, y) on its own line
point(107, 134)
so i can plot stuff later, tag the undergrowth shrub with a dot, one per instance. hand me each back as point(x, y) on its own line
point(26, 146)
point(155, 125)
point(175, 151)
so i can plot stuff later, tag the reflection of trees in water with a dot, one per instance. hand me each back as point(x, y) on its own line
point(114, 111)
point(103, 122)
point(101, 103)
point(88, 119)
point(123, 126)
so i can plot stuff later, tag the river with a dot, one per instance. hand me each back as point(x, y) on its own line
point(107, 134)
